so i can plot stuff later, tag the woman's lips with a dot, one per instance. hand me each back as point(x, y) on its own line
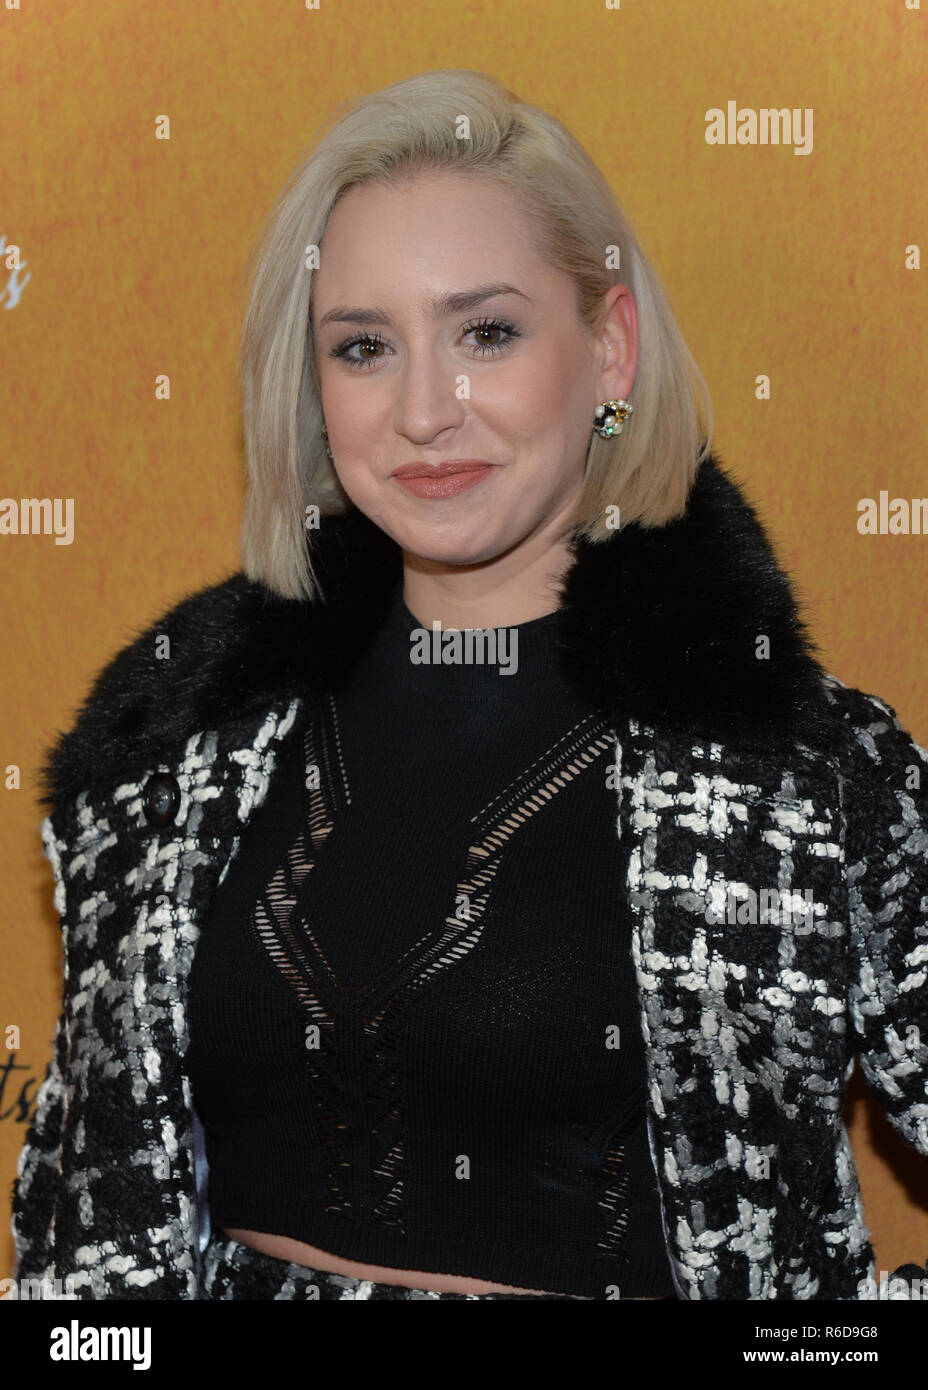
point(445, 485)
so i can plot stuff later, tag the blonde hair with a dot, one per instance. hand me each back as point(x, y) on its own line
point(408, 128)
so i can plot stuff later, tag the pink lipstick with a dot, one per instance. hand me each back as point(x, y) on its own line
point(441, 479)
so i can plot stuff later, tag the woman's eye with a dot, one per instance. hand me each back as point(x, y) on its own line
point(491, 328)
point(485, 327)
point(366, 341)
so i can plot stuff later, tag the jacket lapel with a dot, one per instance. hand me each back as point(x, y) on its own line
point(743, 1019)
point(691, 627)
point(132, 898)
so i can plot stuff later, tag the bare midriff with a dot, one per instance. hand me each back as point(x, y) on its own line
point(298, 1252)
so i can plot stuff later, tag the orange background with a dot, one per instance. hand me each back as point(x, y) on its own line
point(776, 264)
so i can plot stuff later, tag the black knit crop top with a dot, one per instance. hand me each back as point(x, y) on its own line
point(414, 1025)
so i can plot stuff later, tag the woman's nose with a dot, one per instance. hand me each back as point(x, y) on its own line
point(430, 395)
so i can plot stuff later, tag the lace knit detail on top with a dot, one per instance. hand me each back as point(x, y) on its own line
point(448, 1074)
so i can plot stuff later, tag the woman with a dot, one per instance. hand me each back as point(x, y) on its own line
point(485, 893)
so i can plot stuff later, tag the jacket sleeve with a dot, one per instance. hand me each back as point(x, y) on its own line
point(885, 792)
point(38, 1169)
point(104, 1205)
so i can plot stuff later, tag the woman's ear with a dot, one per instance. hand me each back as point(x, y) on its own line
point(618, 342)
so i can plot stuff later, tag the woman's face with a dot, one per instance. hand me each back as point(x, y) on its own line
point(511, 379)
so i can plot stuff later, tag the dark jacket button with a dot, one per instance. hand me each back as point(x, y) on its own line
point(160, 798)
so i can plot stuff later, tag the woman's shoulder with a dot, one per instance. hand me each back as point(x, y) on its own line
point(873, 728)
point(171, 677)
point(883, 774)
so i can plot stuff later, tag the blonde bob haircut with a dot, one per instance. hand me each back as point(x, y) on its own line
point(467, 122)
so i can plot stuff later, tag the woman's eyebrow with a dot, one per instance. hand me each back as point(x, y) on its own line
point(458, 302)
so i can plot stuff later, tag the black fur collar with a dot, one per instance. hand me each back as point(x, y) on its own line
point(661, 624)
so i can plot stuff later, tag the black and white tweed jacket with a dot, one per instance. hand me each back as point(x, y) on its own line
point(740, 768)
